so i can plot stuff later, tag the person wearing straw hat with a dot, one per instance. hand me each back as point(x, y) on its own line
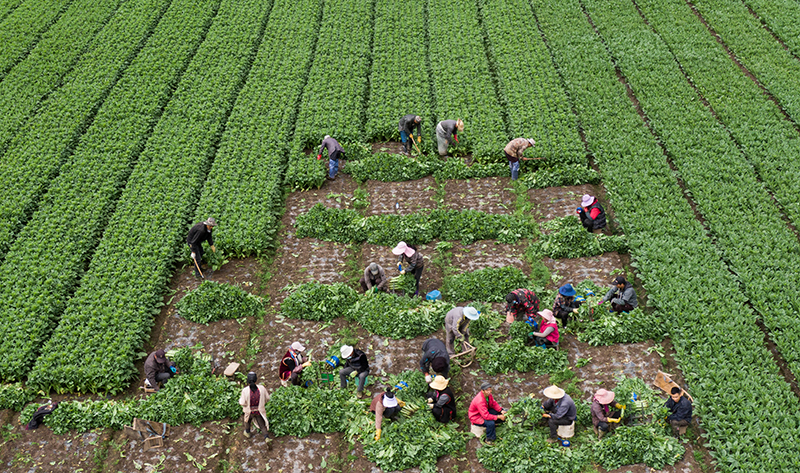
point(602, 416)
point(592, 214)
point(386, 405)
point(441, 400)
point(158, 369)
point(335, 152)
point(374, 278)
point(199, 233)
point(559, 409)
point(565, 304)
point(355, 361)
point(253, 401)
point(456, 326)
point(514, 150)
point(622, 296)
point(292, 365)
point(406, 128)
point(521, 304)
point(446, 132)
point(409, 261)
point(548, 337)
point(435, 359)
point(484, 411)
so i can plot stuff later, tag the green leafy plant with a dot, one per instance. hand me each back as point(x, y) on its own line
point(316, 301)
point(399, 316)
point(213, 301)
point(638, 444)
point(568, 239)
point(514, 355)
point(488, 285)
point(15, 396)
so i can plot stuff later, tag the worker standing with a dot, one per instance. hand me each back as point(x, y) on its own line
point(374, 278)
point(335, 153)
point(565, 304)
point(622, 296)
point(548, 337)
point(680, 411)
point(199, 233)
point(406, 127)
point(592, 214)
point(409, 261)
point(386, 405)
point(521, 304)
point(435, 359)
point(456, 326)
point(484, 411)
point(602, 416)
point(446, 132)
point(253, 401)
point(292, 365)
point(441, 400)
point(355, 361)
point(514, 150)
point(559, 409)
point(158, 369)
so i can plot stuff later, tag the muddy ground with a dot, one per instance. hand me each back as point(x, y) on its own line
point(220, 446)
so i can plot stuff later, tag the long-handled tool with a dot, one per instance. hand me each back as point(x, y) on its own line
point(198, 267)
point(414, 143)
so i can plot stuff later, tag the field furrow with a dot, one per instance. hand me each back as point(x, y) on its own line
point(243, 190)
point(112, 311)
point(54, 55)
point(782, 17)
point(680, 267)
point(7, 7)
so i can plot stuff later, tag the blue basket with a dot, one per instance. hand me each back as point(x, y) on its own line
point(434, 295)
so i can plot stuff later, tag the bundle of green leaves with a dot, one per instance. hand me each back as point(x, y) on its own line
point(329, 224)
point(609, 328)
point(514, 355)
point(395, 316)
point(488, 322)
point(568, 239)
point(213, 301)
point(316, 301)
point(639, 444)
point(488, 284)
point(649, 404)
point(14, 396)
point(526, 451)
point(404, 284)
point(566, 175)
point(302, 411)
point(416, 388)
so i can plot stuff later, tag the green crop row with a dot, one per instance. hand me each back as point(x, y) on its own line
point(682, 271)
point(44, 264)
point(744, 34)
point(244, 186)
point(534, 99)
point(33, 157)
point(755, 241)
point(54, 55)
point(485, 285)
point(462, 79)
point(7, 7)
point(781, 17)
point(24, 27)
point(106, 322)
point(399, 83)
point(349, 226)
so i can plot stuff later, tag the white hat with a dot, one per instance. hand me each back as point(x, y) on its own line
point(554, 392)
point(346, 351)
point(210, 222)
point(326, 137)
point(297, 346)
point(471, 313)
point(531, 141)
point(402, 248)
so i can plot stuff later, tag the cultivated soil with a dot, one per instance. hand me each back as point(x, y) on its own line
point(220, 446)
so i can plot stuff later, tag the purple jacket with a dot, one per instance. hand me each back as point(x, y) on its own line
point(331, 145)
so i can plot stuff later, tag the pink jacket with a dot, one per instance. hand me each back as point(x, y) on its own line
point(479, 409)
point(244, 401)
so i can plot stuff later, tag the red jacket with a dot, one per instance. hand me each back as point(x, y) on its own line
point(479, 409)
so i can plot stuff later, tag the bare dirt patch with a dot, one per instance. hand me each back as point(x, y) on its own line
point(490, 195)
point(401, 198)
point(555, 202)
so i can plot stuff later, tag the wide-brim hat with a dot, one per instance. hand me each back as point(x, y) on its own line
point(554, 392)
point(567, 290)
point(586, 200)
point(439, 383)
point(532, 141)
point(471, 313)
point(346, 351)
point(211, 222)
point(604, 397)
point(547, 315)
point(297, 346)
point(460, 125)
point(401, 248)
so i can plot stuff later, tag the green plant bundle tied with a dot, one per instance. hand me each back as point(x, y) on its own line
point(15, 396)
point(417, 387)
point(639, 444)
point(316, 301)
point(404, 284)
point(489, 284)
point(514, 355)
point(567, 175)
point(213, 301)
point(399, 316)
point(568, 239)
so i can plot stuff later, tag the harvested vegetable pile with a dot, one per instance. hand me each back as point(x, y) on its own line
point(486, 285)
point(565, 237)
point(213, 301)
point(315, 301)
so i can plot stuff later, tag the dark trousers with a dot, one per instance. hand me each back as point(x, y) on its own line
point(621, 307)
point(344, 373)
point(605, 426)
point(417, 275)
point(391, 412)
point(163, 377)
point(490, 425)
point(255, 416)
point(363, 283)
point(444, 414)
point(198, 252)
point(554, 422)
point(539, 341)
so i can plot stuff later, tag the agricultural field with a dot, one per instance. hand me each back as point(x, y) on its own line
point(127, 121)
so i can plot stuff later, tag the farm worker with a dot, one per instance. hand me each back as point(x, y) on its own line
point(253, 399)
point(199, 233)
point(435, 359)
point(521, 304)
point(680, 411)
point(385, 404)
point(565, 304)
point(292, 365)
point(456, 326)
point(559, 409)
point(514, 150)
point(602, 418)
point(158, 369)
point(409, 261)
point(548, 337)
point(592, 214)
point(355, 361)
point(335, 152)
point(446, 129)
point(622, 296)
point(374, 278)
point(441, 400)
point(484, 411)
point(39, 415)
point(406, 127)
